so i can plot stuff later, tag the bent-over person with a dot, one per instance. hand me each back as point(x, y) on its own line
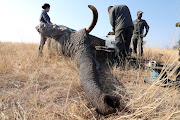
point(122, 25)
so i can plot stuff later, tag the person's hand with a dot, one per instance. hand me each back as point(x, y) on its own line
point(178, 24)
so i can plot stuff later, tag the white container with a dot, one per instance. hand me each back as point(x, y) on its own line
point(152, 64)
point(110, 41)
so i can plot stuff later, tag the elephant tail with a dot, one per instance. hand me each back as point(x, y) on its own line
point(95, 18)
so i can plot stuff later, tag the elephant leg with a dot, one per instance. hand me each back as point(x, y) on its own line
point(104, 103)
point(42, 42)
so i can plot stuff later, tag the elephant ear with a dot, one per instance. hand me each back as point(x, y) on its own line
point(94, 20)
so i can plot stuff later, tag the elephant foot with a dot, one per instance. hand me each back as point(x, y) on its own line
point(40, 54)
point(108, 104)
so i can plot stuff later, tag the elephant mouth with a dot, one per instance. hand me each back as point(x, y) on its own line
point(112, 101)
point(94, 20)
point(108, 105)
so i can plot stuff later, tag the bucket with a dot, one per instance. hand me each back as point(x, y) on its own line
point(154, 71)
point(154, 74)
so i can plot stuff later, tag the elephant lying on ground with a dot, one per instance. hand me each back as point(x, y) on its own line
point(77, 44)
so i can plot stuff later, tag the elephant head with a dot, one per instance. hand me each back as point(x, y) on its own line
point(76, 44)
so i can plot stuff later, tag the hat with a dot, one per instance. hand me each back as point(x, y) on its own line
point(139, 12)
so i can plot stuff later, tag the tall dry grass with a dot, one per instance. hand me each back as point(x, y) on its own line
point(162, 55)
point(48, 88)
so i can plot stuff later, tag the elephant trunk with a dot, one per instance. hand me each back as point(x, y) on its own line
point(104, 103)
point(77, 45)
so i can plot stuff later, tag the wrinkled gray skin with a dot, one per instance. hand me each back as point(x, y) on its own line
point(76, 44)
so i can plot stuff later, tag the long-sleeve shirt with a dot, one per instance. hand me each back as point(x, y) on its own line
point(44, 17)
point(120, 17)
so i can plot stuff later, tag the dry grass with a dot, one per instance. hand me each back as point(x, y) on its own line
point(162, 55)
point(46, 88)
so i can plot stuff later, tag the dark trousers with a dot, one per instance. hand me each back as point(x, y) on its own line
point(137, 42)
point(122, 42)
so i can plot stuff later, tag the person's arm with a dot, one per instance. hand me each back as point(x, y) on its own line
point(112, 19)
point(147, 29)
point(46, 18)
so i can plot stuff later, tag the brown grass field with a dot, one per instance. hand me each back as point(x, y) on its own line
point(48, 88)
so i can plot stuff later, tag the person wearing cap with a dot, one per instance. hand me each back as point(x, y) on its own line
point(122, 25)
point(138, 33)
point(178, 25)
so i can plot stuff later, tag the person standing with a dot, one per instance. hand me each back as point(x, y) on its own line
point(44, 18)
point(122, 25)
point(138, 33)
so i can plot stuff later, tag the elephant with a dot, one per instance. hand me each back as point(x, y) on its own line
point(78, 45)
